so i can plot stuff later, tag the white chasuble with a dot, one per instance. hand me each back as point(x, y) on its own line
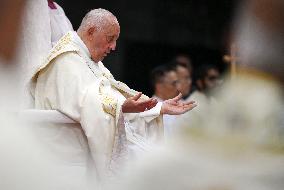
point(70, 82)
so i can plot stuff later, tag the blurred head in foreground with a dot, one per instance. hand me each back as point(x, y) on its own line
point(259, 36)
point(23, 166)
point(10, 14)
point(10, 22)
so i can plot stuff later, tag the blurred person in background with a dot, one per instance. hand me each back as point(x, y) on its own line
point(184, 78)
point(44, 23)
point(165, 82)
point(207, 79)
point(185, 61)
point(59, 22)
point(240, 145)
point(10, 23)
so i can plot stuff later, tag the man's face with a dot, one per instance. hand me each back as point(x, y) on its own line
point(211, 80)
point(103, 42)
point(169, 85)
point(184, 80)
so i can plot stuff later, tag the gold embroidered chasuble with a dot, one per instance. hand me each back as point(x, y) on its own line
point(70, 82)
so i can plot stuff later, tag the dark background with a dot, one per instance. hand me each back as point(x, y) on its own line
point(154, 31)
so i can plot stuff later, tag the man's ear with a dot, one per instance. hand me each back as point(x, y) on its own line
point(91, 31)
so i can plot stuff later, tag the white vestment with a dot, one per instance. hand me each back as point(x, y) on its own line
point(170, 127)
point(42, 27)
point(70, 82)
point(59, 23)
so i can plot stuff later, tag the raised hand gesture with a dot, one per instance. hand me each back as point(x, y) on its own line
point(175, 107)
point(134, 105)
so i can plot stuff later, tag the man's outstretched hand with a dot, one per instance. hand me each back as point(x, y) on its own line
point(134, 105)
point(175, 107)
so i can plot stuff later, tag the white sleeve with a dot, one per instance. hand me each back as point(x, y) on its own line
point(153, 113)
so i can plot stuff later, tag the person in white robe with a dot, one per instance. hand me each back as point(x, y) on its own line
point(59, 23)
point(24, 164)
point(74, 81)
point(44, 23)
point(165, 84)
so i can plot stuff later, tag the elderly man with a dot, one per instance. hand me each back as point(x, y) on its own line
point(74, 81)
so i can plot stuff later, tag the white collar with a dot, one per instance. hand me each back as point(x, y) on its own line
point(78, 41)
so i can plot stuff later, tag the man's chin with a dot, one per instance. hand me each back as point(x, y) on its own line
point(97, 60)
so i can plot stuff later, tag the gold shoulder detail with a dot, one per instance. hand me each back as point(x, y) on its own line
point(63, 45)
point(109, 104)
point(65, 40)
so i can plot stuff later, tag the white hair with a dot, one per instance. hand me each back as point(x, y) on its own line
point(98, 18)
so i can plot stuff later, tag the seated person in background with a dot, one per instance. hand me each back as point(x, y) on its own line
point(184, 60)
point(185, 79)
point(165, 83)
point(206, 81)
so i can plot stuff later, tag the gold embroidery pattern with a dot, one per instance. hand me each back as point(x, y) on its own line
point(59, 46)
point(109, 103)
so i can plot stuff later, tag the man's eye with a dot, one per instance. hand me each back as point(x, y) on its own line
point(110, 38)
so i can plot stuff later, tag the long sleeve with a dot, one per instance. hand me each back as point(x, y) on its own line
point(148, 124)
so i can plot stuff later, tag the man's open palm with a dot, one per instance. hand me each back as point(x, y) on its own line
point(175, 107)
point(134, 105)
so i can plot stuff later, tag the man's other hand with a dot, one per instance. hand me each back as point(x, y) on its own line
point(175, 107)
point(134, 105)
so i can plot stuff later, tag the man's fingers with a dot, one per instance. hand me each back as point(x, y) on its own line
point(152, 104)
point(189, 107)
point(178, 97)
point(189, 103)
point(137, 96)
point(144, 102)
